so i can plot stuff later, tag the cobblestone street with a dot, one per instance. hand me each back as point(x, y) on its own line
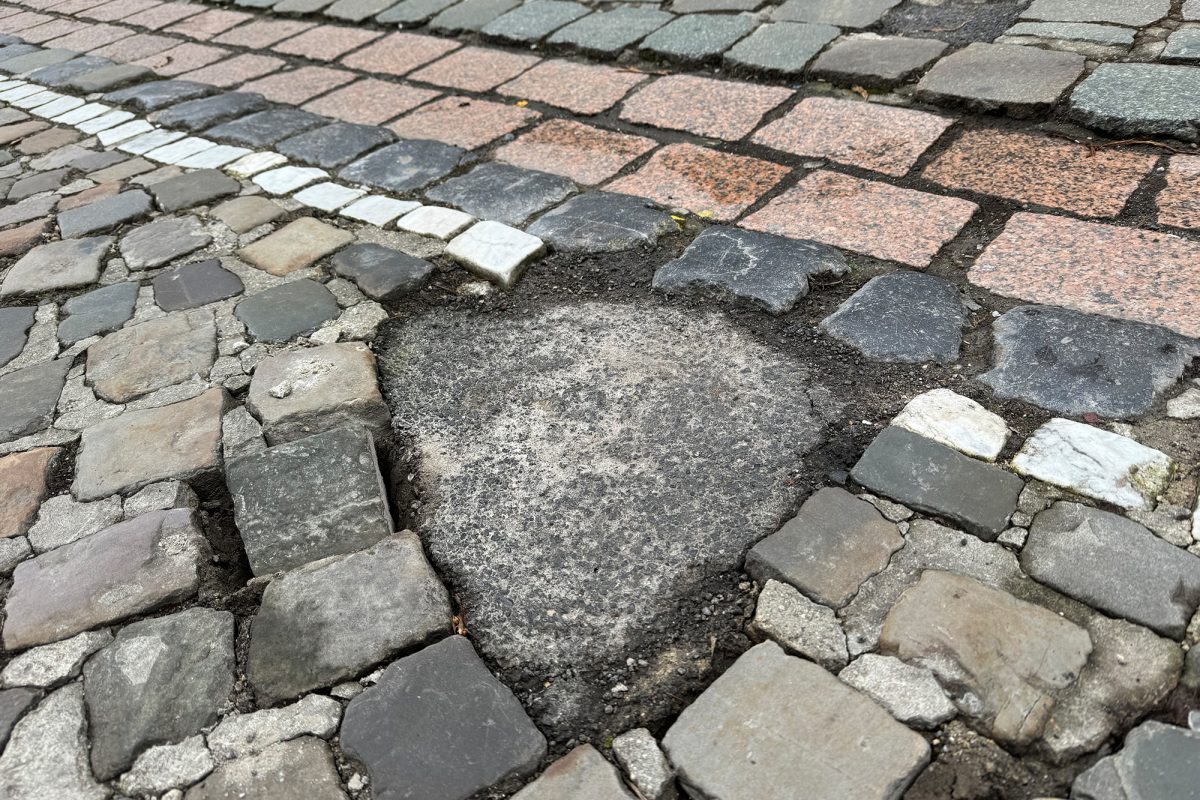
point(555, 400)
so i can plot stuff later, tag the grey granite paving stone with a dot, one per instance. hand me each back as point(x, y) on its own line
point(1074, 363)
point(193, 189)
point(196, 115)
point(98, 311)
point(843, 13)
point(163, 240)
point(152, 96)
point(1115, 565)
point(30, 208)
point(159, 681)
point(405, 166)
point(582, 774)
point(300, 769)
point(799, 625)
point(154, 354)
point(1140, 100)
point(15, 322)
point(697, 38)
point(502, 192)
point(413, 12)
point(283, 312)
point(334, 145)
point(901, 316)
point(928, 476)
point(470, 15)
point(196, 284)
point(439, 726)
point(1183, 45)
point(40, 182)
point(780, 48)
point(356, 10)
point(104, 79)
point(910, 693)
point(704, 6)
point(1135, 13)
point(66, 264)
point(300, 6)
point(47, 754)
point(103, 215)
point(1075, 31)
point(265, 128)
point(94, 162)
point(380, 273)
point(28, 62)
point(127, 569)
point(28, 397)
point(1157, 761)
point(608, 33)
point(1020, 80)
point(533, 21)
point(56, 75)
point(771, 272)
point(14, 49)
point(13, 705)
point(602, 222)
point(877, 61)
point(643, 761)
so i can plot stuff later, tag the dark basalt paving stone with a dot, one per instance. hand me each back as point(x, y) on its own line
point(1140, 100)
point(381, 273)
point(439, 726)
point(161, 241)
point(697, 38)
point(780, 48)
point(104, 79)
point(28, 397)
point(286, 311)
point(159, 94)
point(470, 15)
point(901, 316)
point(103, 215)
point(502, 192)
point(36, 184)
point(1073, 363)
point(875, 61)
point(602, 222)
point(193, 189)
point(1158, 761)
point(335, 145)
point(267, 127)
point(13, 705)
point(36, 60)
point(99, 311)
point(58, 74)
point(607, 33)
point(988, 77)
point(405, 166)
point(533, 21)
point(770, 271)
point(193, 285)
point(15, 323)
point(196, 115)
point(929, 476)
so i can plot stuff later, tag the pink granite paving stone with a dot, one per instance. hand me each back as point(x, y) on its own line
point(399, 53)
point(475, 69)
point(118, 9)
point(132, 48)
point(1179, 202)
point(868, 135)
point(299, 85)
point(463, 121)
point(261, 33)
point(1095, 268)
point(233, 71)
point(580, 152)
point(370, 101)
point(326, 42)
point(183, 58)
point(75, 6)
point(1042, 171)
point(163, 15)
point(582, 88)
point(51, 30)
point(703, 106)
point(209, 24)
point(706, 182)
point(868, 217)
point(90, 38)
point(24, 20)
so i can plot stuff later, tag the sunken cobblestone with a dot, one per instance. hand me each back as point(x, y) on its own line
point(502, 192)
point(283, 312)
point(901, 316)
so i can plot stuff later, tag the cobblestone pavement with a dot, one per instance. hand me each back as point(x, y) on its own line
point(712, 400)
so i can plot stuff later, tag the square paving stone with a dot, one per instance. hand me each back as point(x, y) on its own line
point(102, 215)
point(410, 13)
point(327, 196)
point(1135, 13)
point(300, 768)
point(875, 61)
point(181, 441)
point(151, 355)
point(281, 313)
point(154, 95)
point(602, 222)
point(309, 499)
point(399, 53)
point(696, 39)
point(470, 15)
point(533, 21)
point(464, 122)
point(238, 69)
point(326, 42)
point(161, 241)
point(193, 189)
point(15, 322)
point(296, 86)
point(902, 316)
point(502, 192)
point(381, 273)
point(988, 77)
point(608, 33)
point(104, 79)
point(404, 166)
point(334, 145)
point(28, 397)
point(1140, 100)
point(242, 214)
point(267, 127)
point(193, 285)
point(721, 109)
point(475, 69)
point(779, 48)
point(377, 209)
point(1183, 45)
point(930, 477)
point(580, 152)
point(495, 251)
point(66, 264)
point(439, 726)
point(442, 223)
point(370, 101)
point(197, 115)
point(844, 13)
point(297, 245)
point(130, 568)
point(582, 88)
point(98, 311)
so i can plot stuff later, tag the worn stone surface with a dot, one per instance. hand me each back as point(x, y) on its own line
point(267, 127)
point(1019, 80)
point(695, 39)
point(196, 115)
point(150, 355)
point(644, 763)
point(244, 735)
point(602, 222)
point(13, 705)
point(1157, 760)
point(98, 311)
point(242, 214)
point(381, 273)
point(502, 192)
point(28, 397)
point(196, 284)
point(910, 693)
point(62, 520)
point(1116, 12)
point(530, 22)
point(284, 312)
point(780, 48)
point(154, 95)
point(868, 59)
point(301, 769)
point(47, 754)
point(49, 665)
point(955, 421)
point(163, 240)
point(58, 265)
point(495, 251)
point(607, 33)
point(799, 625)
point(901, 316)
point(334, 145)
point(15, 322)
point(102, 215)
point(582, 774)
point(23, 479)
point(295, 246)
point(168, 766)
point(193, 189)
point(1139, 100)
point(405, 166)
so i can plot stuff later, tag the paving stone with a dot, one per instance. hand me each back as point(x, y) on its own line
point(1111, 468)
point(120, 133)
point(382, 273)
point(955, 421)
point(193, 189)
point(12, 552)
point(418, 732)
point(105, 214)
point(607, 33)
point(162, 768)
point(435, 221)
point(1139, 100)
point(370, 101)
point(799, 625)
point(1072, 32)
point(779, 48)
point(199, 114)
point(154, 95)
point(47, 754)
point(1117, 12)
point(1073, 363)
point(906, 317)
point(1013, 670)
point(533, 21)
point(462, 122)
point(404, 166)
point(98, 311)
point(844, 13)
point(13, 705)
point(495, 251)
point(28, 397)
point(769, 271)
point(36, 184)
point(244, 735)
point(243, 214)
point(502, 192)
point(301, 769)
point(580, 152)
point(470, 15)
point(105, 79)
point(33, 208)
point(22, 64)
point(475, 69)
point(721, 109)
point(735, 741)
point(196, 284)
point(1185, 406)
point(283, 312)
point(1157, 761)
point(163, 241)
point(159, 497)
point(1183, 45)
point(1115, 565)
point(161, 680)
point(644, 763)
point(874, 61)
point(178, 441)
point(255, 164)
point(378, 210)
point(601, 222)
point(15, 323)
point(334, 145)
point(174, 153)
point(696, 39)
point(61, 520)
point(287, 179)
point(23, 479)
point(267, 127)
point(49, 665)
point(582, 774)
point(931, 477)
point(295, 246)
point(151, 355)
point(987, 77)
point(910, 693)
point(127, 569)
point(413, 12)
point(582, 88)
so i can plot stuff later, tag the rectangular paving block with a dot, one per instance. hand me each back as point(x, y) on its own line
point(608, 33)
point(718, 109)
point(1020, 80)
point(582, 88)
point(580, 152)
point(475, 69)
point(464, 122)
point(1179, 201)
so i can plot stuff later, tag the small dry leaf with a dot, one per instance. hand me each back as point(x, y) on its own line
point(861, 92)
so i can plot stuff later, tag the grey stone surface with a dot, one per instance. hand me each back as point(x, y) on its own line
point(62, 520)
point(267, 127)
point(739, 742)
point(196, 284)
point(799, 625)
point(199, 114)
point(1136, 13)
point(901, 316)
point(309, 499)
point(242, 735)
point(127, 569)
point(381, 273)
point(608, 33)
point(644, 763)
point(533, 21)
point(30, 208)
point(928, 476)
point(877, 61)
point(13, 705)
point(1183, 45)
point(1074, 31)
point(582, 774)
point(334, 619)
point(1115, 565)
point(27, 62)
point(245, 213)
point(47, 756)
point(697, 38)
point(1073, 363)
point(828, 549)
point(1020, 80)
point(152, 96)
point(103, 79)
point(98, 311)
point(193, 189)
point(288, 310)
point(780, 48)
point(49, 665)
point(151, 355)
point(910, 693)
point(101, 215)
point(470, 15)
point(769, 271)
point(35, 184)
point(844, 13)
point(1157, 761)
point(164, 767)
point(13, 550)
point(413, 12)
point(301, 769)
point(1139, 100)
point(28, 397)
point(58, 74)
point(404, 166)
point(356, 10)
point(602, 222)
point(439, 726)
point(160, 681)
point(15, 322)
point(334, 145)
point(502, 192)
point(163, 240)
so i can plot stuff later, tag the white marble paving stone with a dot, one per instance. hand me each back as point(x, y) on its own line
point(214, 157)
point(175, 152)
point(327, 196)
point(444, 223)
point(36, 99)
point(57, 107)
point(105, 121)
point(955, 421)
point(149, 141)
point(17, 92)
point(85, 112)
point(122, 132)
point(254, 163)
point(12, 83)
point(378, 210)
point(495, 251)
point(288, 179)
